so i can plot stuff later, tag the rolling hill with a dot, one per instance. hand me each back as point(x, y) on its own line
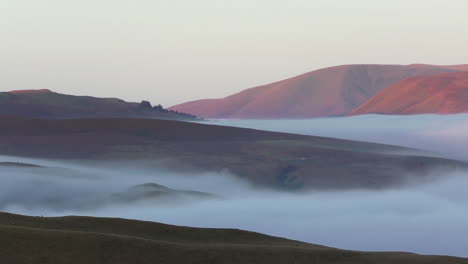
point(47, 104)
point(330, 91)
point(266, 159)
point(156, 192)
point(73, 239)
point(439, 94)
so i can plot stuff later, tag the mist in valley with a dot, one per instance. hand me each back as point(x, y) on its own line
point(443, 134)
point(427, 217)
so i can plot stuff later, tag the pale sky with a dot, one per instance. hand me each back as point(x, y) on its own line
point(173, 51)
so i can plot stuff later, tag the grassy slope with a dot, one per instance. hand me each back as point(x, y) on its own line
point(103, 240)
point(269, 159)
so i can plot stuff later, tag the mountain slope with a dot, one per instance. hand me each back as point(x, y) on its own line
point(266, 159)
point(104, 240)
point(440, 94)
point(326, 92)
point(48, 104)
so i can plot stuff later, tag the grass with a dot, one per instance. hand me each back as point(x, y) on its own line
point(80, 240)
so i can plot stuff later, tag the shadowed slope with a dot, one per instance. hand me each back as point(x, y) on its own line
point(440, 94)
point(104, 240)
point(47, 104)
point(330, 91)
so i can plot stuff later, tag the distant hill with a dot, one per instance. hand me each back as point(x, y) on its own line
point(50, 105)
point(78, 240)
point(461, 67)
point(266, 159)
point(18, 164)
point(439, 94)
point(330, 91)
point(156, 192)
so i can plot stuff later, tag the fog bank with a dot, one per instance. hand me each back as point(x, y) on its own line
point(429, 219)
point(446, 134)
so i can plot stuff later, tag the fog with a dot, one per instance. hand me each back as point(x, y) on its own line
point(59, 186)
point(446, 134)
point(428, 218)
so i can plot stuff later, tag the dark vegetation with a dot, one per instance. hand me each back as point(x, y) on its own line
point(80, 240)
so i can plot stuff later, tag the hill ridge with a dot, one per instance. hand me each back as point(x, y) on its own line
point(48, 104)
point(331, 91)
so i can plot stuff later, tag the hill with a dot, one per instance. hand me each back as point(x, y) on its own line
point(47, 104)
point(330, 91)
point(266, 159)
point(439, 94)
point(157, 192)
point(72, 239)
point(460, 67)
point(18, 164)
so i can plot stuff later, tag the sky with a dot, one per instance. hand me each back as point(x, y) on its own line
point(174, 51)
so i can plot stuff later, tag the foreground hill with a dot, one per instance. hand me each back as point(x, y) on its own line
point(440, 94)
point(47, 104)
point(266, 159)
point(331, 91)
point(72, 239)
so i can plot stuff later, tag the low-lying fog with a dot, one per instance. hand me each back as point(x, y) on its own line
point(447, 134)
point(429, 219)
